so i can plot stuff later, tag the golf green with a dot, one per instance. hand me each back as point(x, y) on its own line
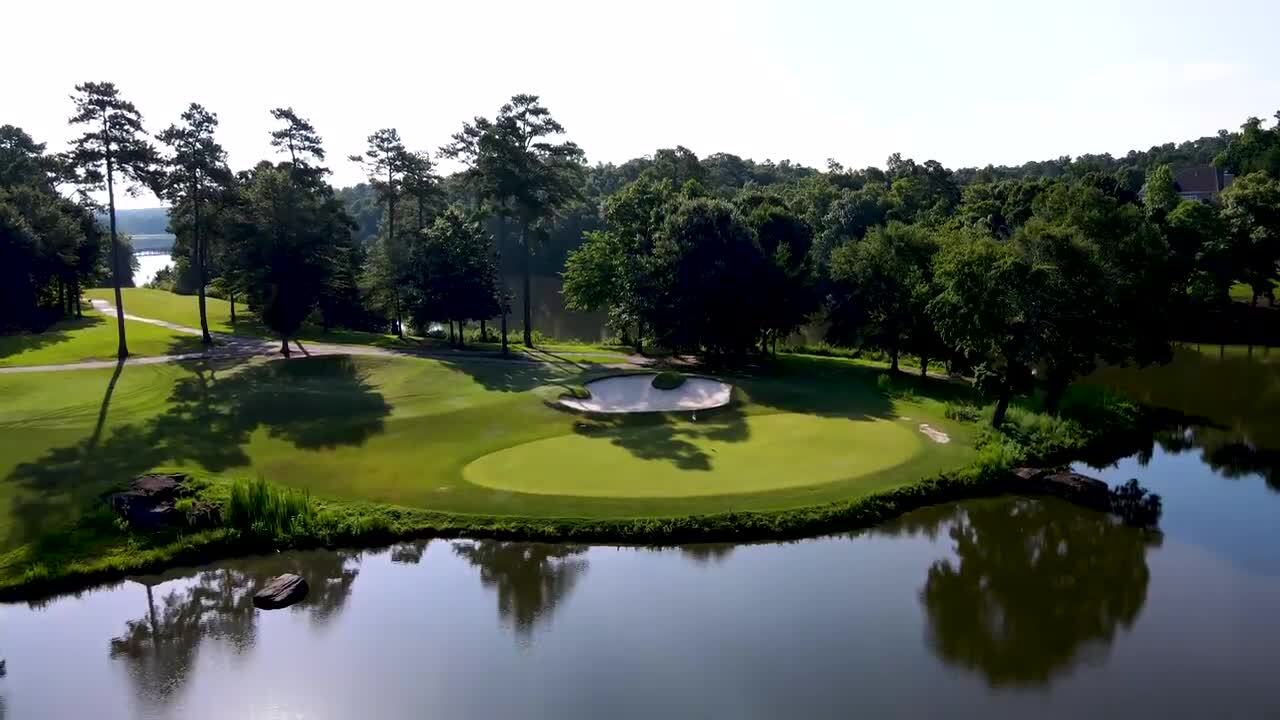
point(765, 455)
point(465, 436)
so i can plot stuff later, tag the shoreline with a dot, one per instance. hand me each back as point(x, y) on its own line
point(969, 483)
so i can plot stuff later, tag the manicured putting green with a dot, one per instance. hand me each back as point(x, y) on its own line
point(782, 450)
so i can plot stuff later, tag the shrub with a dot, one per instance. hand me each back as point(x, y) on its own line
point(257, 508)
point(962, 412)
point(1043, 436)
point(667, 380)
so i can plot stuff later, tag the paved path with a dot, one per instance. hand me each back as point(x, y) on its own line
point(233, 346)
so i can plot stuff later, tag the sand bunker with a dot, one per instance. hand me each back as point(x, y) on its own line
point(935, 434)
point(636, 393)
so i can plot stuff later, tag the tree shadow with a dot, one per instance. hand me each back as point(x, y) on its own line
point(531, 579)
point(820, 387)
point(1036, 586)
point(216, 603)
point(211, 415)
point(668, 436)
point(61, 331)
point(503, 375)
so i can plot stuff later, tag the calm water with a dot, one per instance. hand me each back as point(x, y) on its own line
point(1000, 608)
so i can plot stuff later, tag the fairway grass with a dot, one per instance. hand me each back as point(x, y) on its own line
point(468, 438)
point(92, 337)
point(185, 310)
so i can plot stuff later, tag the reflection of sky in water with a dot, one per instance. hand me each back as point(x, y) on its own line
point(816, 628)
point(1236, 518)
point(148, 266)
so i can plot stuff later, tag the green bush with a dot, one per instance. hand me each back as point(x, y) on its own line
point(667, 380)
point(258, 508)
point(962, 412)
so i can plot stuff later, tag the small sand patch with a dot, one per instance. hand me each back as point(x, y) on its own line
point(935, 434)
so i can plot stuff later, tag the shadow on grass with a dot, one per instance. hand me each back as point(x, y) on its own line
point(211, 415)
point(667, 436)
point(59, 332)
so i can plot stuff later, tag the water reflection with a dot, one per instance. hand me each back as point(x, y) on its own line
point(160, 645)
point(530, 578)
point(1035, 588)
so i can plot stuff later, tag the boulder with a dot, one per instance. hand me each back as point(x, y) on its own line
point(149, 502)
point(1079, 489)
point(1029, 474)
point(282, 591)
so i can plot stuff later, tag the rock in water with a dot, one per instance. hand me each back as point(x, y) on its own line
point(283, 591)
point(1079, 489)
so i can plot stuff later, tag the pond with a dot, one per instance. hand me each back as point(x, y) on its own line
point(1009, 607)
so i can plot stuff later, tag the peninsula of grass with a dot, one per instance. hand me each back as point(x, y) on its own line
point(394, 446)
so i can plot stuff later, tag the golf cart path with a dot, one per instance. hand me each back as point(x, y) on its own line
point(231, 346)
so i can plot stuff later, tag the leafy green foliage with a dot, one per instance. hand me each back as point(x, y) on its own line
point(667, 380)
point(258, 508)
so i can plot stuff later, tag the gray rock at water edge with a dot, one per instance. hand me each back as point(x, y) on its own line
point(1079, 489)
point(282, 591)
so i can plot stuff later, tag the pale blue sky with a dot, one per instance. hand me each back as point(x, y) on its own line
point(965, 83)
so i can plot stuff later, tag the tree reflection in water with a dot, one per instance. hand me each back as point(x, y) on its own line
point(160, 647)
point(530, 578)
point(1035, 587)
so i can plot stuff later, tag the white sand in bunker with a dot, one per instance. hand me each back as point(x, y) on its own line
point(935, 434)
point(636, 393)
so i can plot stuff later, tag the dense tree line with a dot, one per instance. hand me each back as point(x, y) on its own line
point(1017, 275)
point(1018, 280)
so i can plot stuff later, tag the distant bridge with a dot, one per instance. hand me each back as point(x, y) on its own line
point(152, 251)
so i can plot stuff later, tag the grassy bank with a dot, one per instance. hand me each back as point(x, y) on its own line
point(394, 447)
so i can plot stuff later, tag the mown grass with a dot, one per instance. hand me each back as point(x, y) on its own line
point(92, 337)
point(184, 310)
point(370, 448)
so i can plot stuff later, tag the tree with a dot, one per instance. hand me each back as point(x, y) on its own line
point(542, 178)
point(707, 268)
point(1159, 194)
point(788, 295)
point(984, 309)
point(1254, 149)
point(385, 162)
point(879, 288)
point(197, 176)
point(484, 154)
point(611, 269)
point(287, 257)
point(452, 273)
point(1200, 252)
point(1251, 211)
point(115, 140)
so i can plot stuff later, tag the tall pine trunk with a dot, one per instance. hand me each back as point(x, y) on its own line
point(502, 240)
point(122, 349)
point(75, 291)
point(524, 280)
point(391, 244)
point(231, 297)
point(198, 242)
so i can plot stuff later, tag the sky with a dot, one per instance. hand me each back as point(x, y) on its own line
point(965, 83)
